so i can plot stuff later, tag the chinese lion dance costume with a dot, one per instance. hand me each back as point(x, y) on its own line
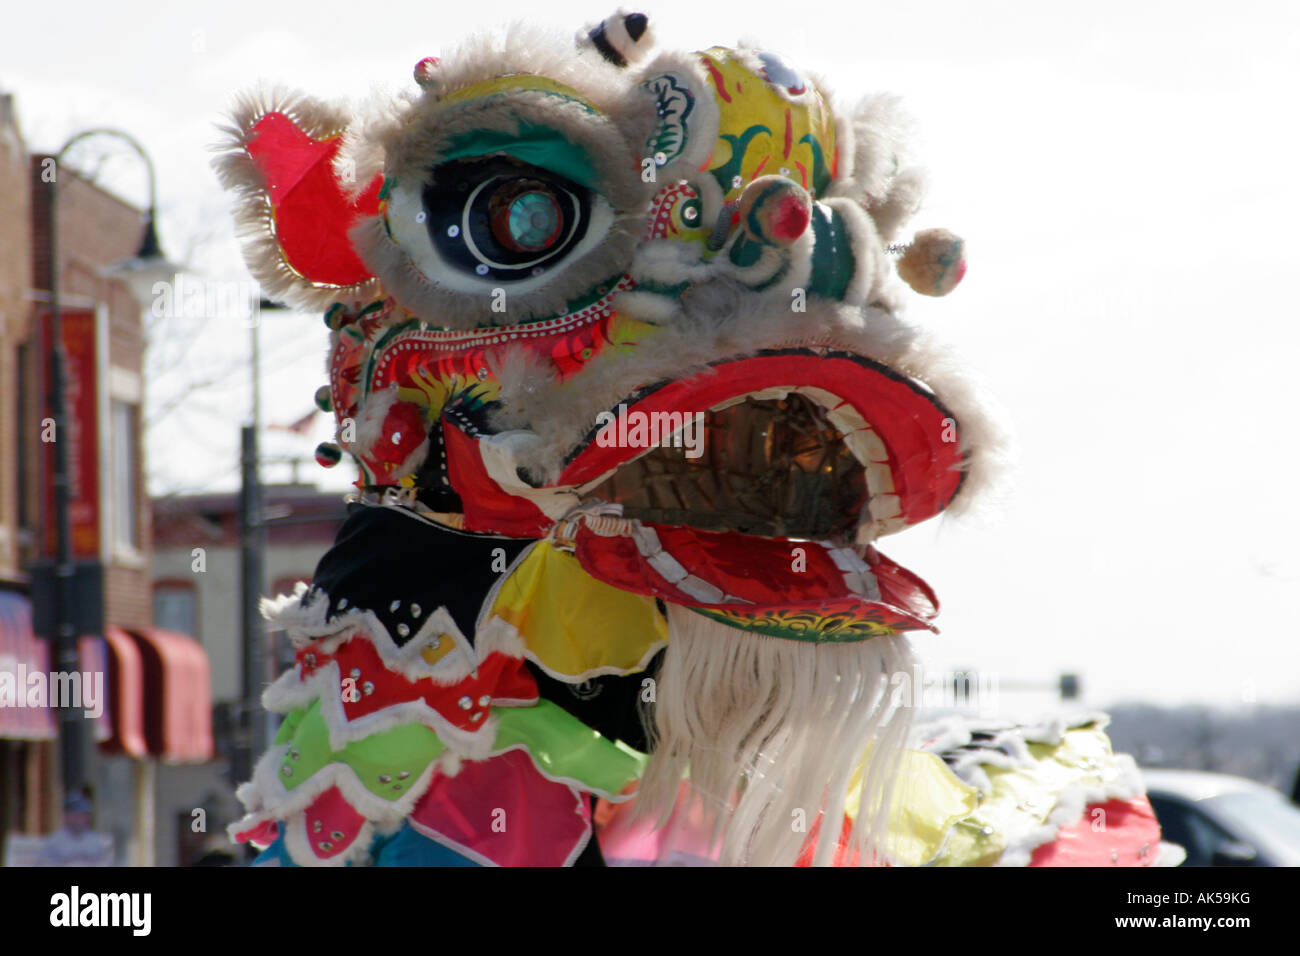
point(550, 632)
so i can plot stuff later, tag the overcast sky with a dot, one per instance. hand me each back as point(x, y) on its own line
point(1125, 177)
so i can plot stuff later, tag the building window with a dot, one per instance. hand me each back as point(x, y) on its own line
point(175, 607)
point(126, 478)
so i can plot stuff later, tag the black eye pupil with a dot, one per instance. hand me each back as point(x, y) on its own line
point(504, 219)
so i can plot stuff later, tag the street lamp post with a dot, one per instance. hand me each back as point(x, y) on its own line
point(149, 258)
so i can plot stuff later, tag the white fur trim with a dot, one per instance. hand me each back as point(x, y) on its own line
point(308, 625)
point(254, 219)
point(759, 750)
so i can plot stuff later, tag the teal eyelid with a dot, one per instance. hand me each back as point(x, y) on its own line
point(536, 145)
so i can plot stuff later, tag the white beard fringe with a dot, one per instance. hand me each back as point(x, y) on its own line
point(772, 731)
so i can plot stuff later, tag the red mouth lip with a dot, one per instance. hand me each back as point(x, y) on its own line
point(757, 582)
point(897, 429)
point(904, 430)
point(905, 439)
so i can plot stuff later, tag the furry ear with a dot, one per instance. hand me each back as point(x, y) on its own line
point(877, 170)
point(621, 38)
point(678, 97)
point(294, 205)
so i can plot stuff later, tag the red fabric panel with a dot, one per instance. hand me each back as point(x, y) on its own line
point(1115, 833)
point(312, 212)
point(488, 507)
point(332, 824)
point(378, 688)
point(503, 811)
point(760, 570)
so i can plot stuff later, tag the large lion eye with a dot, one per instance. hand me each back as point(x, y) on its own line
point(526, 216)
point(503, 219)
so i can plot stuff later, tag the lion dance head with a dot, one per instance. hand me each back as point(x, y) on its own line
point(613, 343)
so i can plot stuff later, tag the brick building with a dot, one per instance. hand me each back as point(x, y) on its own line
point(26, 754)
point(157, 683)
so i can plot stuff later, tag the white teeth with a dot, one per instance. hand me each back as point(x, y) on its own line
point(866, 444)
point(668, 566)
point(846, 560)
point(673, 571)
point(845, 418)
point(885, 506)
point(647, 542)
point(857, 574)
point(701, 590)
point(775, 393)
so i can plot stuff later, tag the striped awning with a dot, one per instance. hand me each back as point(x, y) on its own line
point(22, 654)
point(152, 688)
point(25, 662)
point(178, 701)
point(126, 682)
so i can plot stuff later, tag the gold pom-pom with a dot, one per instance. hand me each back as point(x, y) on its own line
point(934, 262)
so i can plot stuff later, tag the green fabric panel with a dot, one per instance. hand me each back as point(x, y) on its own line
point(536, 145)
point(289, 724)
point(821, 174)
point(745, 251)
point(833, 263)
point(407, 749)
point(563, 746)
point(560, 744)
point(729, 170)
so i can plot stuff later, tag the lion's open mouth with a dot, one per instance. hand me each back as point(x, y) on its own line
point(770, 467)
point(804, 457)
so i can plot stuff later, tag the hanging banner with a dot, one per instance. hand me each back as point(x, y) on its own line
point(83, 370)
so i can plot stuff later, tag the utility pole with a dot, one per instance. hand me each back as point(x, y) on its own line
point(256, 729)
point(252, 533)
point(72, 724)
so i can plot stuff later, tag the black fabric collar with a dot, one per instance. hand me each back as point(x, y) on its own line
point(386, 559)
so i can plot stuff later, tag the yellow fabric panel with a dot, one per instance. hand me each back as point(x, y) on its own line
point(1023, 797)
point(574, 626)
point(753, 104)
point(928, 800)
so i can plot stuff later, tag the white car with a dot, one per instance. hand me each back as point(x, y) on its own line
point(1221, 820)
